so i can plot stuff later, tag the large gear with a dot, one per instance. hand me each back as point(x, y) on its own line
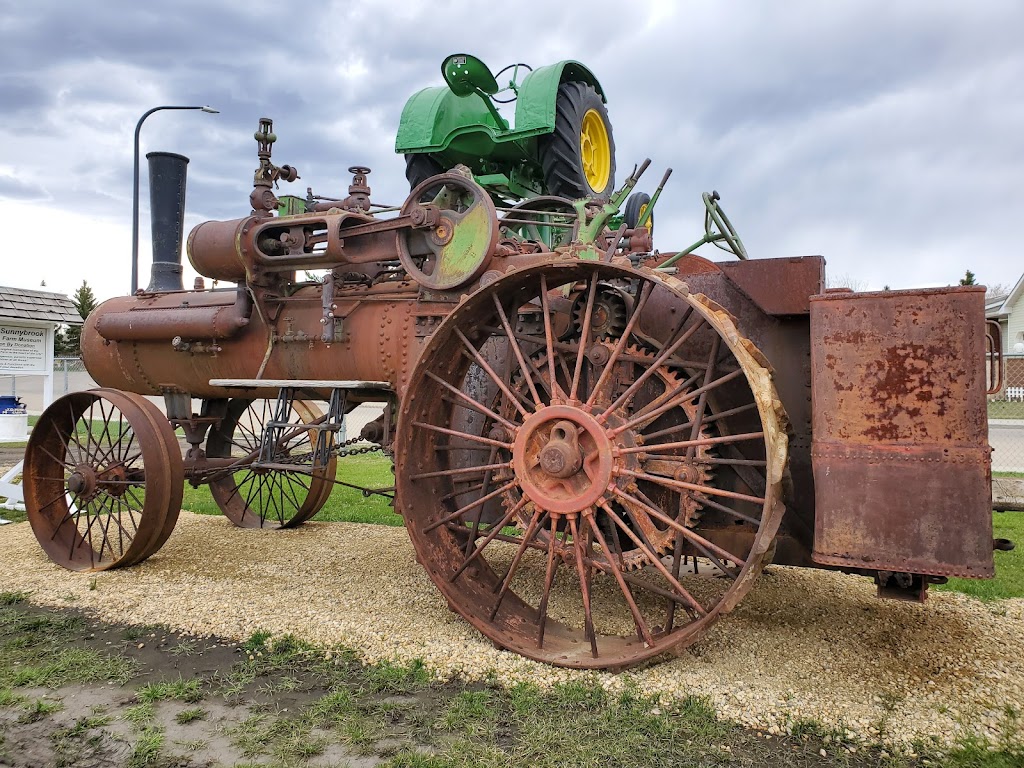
point(693, 469)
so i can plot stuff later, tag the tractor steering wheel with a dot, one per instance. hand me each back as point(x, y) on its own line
point(726, 231)
point(513, 85)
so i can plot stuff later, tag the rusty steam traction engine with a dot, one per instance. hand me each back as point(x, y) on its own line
point(597, 447)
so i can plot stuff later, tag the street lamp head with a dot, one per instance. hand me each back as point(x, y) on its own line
point(210, 109)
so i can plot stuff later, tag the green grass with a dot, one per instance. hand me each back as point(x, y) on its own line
point(1002, 409)
point(35, 650)
point(189, 691)
point(346, 505)
point(1009, 580)
point(190, 715)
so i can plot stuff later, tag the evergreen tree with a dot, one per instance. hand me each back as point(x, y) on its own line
point(85, 302)
point(968, 278)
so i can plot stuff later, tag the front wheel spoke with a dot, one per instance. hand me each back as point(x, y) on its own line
point(466, 435)
point(690, 600)
point(473, 505)
point(658, 448)
point(516, 349)
point(666, 353)
point(486, 368)
point(588, 313)
point(549, 580)
point(620, 345)
point(694, 487)
point(584, 573)
point(460, 471)
point(494, 531)
point(645, 416)
point(700, 499)
point(528, 535)
point(641, 626)
point(693, 536)
point(709, 420)
point(465, 401)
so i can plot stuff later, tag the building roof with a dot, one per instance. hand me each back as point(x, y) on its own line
point(21, 304)
point(1000, 306)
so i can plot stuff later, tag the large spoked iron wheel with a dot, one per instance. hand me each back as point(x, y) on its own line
point(103, 480)
point(283, 496)
point(590, 463)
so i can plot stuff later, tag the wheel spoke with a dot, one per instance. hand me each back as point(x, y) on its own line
point(517, 350)
point(471, 403)
point(494, 531)
point(639, 381)
point(702, 489)
point(588, 317)
point(645, 416)
point(655, 450)
point(486, 368)
point(466, 435)
point(549, 338)
point(549, 580)
point(536, 521)
point(620, 345)
point(691, 601)
point(638, 619)
point(708, 420)
point(463, 510)
point(584, 573)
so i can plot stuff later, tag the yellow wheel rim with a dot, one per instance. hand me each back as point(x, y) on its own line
point(650, 221)
point(595, 150)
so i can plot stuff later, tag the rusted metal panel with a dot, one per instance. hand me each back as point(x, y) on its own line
point(902, 467)
point(778, 286)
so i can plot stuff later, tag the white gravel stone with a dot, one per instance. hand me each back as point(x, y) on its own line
point(803, 644)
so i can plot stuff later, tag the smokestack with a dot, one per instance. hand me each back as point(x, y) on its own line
point(167, 212)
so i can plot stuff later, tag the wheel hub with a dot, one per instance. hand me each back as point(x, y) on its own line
point(563, 459)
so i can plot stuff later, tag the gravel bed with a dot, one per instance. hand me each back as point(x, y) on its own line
point(802, 644)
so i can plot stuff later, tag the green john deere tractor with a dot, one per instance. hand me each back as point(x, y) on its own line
point(560, 145)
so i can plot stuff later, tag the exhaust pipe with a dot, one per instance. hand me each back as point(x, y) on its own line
point(167, 212)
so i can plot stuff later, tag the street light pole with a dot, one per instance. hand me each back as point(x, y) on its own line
point(135, 188)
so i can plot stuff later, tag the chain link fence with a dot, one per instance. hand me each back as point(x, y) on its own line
point(1006, 433)
point(69, 375)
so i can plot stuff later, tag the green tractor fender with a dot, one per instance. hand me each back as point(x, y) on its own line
point(434, 117)
point(535, 107)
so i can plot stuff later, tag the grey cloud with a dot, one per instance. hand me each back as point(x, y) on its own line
point(882, 135)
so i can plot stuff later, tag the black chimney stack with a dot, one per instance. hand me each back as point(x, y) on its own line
point(167, 212)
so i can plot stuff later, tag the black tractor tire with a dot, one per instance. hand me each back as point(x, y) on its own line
point(420, 167)
point(560, 151)
point(634, 207)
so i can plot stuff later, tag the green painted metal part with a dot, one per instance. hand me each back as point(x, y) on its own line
point(441, 122)
point(462, 256)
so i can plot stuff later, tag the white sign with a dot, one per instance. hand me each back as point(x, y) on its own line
point(22, 350)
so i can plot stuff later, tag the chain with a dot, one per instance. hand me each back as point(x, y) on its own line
point(339, 450)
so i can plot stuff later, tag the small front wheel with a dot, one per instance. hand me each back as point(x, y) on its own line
point(103, 480)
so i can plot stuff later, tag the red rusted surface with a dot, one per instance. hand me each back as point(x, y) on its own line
point(900, 452)
point(778, 286)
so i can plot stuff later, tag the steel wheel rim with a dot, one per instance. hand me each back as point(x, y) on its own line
point(270, 499)
point(482, 591)
point(103, 480)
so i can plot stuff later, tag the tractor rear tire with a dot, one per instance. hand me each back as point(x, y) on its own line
point(579, 155)
point(420, 167)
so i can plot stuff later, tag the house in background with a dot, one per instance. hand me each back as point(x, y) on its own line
point(1008, 311)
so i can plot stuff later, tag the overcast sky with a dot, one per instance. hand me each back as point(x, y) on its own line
point(886, 136)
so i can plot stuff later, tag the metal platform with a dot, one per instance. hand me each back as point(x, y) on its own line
point(377, 386)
